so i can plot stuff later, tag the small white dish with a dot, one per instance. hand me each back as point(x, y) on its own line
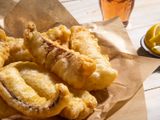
point(143, 45)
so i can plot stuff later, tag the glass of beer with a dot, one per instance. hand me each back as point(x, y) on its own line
point(113, 8)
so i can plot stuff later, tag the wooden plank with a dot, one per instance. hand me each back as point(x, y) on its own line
point(145, 13)
point(152, 102)
point(136, 35)
point(153, 81)
point(140, 3)
point(84, 10)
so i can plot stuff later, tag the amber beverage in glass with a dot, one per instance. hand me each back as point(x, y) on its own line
point(113, 8)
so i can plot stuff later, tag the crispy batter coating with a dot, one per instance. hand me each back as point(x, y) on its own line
point(70, 66)
point(4, 48)
point(60, 34)
point(86, 43)
point(31, 91)
point(12, 50)
point(17, 50)
point(80, 106)
point(37, 93)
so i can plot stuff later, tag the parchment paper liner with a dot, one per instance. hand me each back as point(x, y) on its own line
point(113, 40)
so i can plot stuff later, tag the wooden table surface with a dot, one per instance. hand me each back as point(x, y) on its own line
point(144, 15)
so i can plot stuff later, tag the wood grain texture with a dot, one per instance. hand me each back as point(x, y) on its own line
point(145, 13)
point(83, 10)
point(153, 104)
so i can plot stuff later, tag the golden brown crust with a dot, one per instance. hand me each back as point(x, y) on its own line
point(60, 34)
point(32, 91)
point(4, 48)
point(19, 94)
point(12, 50)
point(20, 80)
point(17, 50)
point(80, 106)
point(72, 67)
point(86, 43)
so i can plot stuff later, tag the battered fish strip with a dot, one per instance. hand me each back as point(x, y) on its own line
point(4, 48)
point(28, 89)
point(86, 43)
point(80, 106)
point(17, 50)
point(70, 66)
point(60, 34)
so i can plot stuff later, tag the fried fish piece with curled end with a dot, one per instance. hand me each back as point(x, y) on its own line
point(60, 34)
point(29, 90)
point(4, 48)
point(86, 43)
point(17, 50)
point(70, 66)
point(80, 106)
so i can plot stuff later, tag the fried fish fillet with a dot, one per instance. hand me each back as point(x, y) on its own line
point(70, 66)
point(4, 48)
point(17, 50)
point(31, 91)
point(12, 49)
point(60, 34)
point(86, 43)
point(80, 106)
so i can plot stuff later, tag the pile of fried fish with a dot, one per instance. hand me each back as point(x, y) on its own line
point(52, 73)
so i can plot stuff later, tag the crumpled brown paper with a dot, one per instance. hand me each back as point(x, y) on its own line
point(44, 14)
point(113, 41)
point(132, 69)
